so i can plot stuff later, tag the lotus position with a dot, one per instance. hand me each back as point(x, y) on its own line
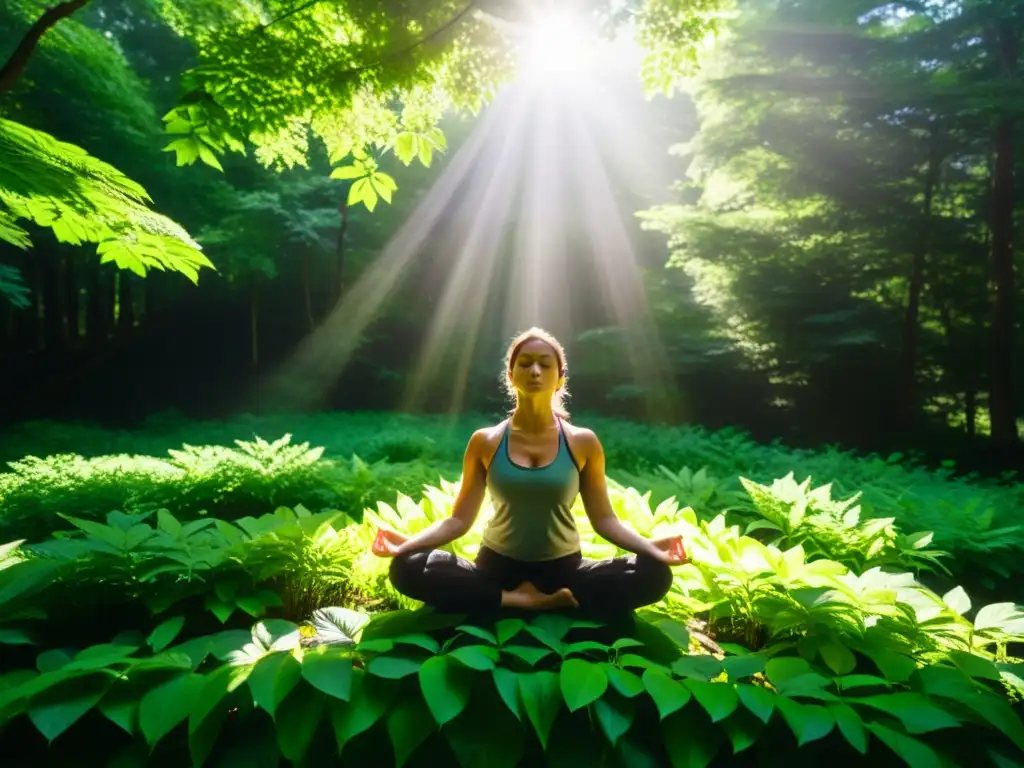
point(533, 464)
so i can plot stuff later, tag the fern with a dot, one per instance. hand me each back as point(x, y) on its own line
point(82, 199)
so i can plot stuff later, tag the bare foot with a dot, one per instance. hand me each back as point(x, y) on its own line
point(528, 597)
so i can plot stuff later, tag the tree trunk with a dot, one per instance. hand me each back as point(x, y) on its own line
point(100, 315)
point(339, 276)
point(254, 323)
point(71, 300)
point(53, 327)
point(922, 249)
point(15, 65)
point(125, 302)
point(305, 289)
point(1002, 409)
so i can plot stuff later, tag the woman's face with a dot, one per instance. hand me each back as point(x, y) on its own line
point(535, 369)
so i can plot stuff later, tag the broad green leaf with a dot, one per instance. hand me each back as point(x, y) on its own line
point(60, 707)
point(103, 655)
point(838, 657)
point(996, 711)
point(689, 743)
point(850, 682)
point(346, 172)
point(542, 700)
point(851, 726)
point(622, 680)
point(219, 683)
point(120, 706)
point(272, 679)
point(507, 685)
point(358, 191)
point(446, 687)
point(697, 667)
point(783, 668)
point(915, 753)
point(420, 640)
point(329, 669)
point(896, 667)
point(626, 642)
point(484, 634)
point(1005, 617)
point(12, 636)
point(406, 146)
point(668, 694)
point(918, 713)
point(809, 722)
point(742, 728)
point(957, 600)
point(480, 657)
point(408, 724)
point(370, 698)
point(165, 633)
point(758, 700)
point(297, 720)
point(975, 666)
point(615, 715)
point(531, 654)
point(679, 633)
point(718, 699)
point(506, 629)
point(737, 667)
point(167, 705)
point(48, 661)
point(582, 682)
point(584, 646)
point(393, 667)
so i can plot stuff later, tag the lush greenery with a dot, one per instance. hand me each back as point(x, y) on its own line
point(801, 623)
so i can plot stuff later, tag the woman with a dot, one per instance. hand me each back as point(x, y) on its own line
point(533, 464)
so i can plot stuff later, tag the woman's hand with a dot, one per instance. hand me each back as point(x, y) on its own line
point(388, 543)
point(670, 550)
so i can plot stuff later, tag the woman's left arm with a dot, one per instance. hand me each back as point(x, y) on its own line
point(594, 492)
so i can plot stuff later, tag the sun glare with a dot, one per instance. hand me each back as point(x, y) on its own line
point(556, 48)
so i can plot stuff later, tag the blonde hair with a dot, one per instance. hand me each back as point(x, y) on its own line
point(538, 334)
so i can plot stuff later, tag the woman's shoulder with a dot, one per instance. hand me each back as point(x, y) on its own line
point(487, 437)
point(581, 434)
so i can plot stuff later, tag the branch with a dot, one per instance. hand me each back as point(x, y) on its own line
point(292, 12)
point(395, 54)
point(16, 63)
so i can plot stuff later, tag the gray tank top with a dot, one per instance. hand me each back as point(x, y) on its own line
point(532, 520)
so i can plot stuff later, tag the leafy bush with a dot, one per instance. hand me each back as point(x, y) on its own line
point(427, 689)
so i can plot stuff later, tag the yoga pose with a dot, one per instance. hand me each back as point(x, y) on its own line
point(533, 464)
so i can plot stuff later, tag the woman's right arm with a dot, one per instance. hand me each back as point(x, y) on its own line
point(467, 503)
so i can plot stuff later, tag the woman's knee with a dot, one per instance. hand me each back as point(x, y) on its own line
point(406, 571)
point(657, 577)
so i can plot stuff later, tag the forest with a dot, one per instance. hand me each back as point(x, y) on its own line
point(259, 263)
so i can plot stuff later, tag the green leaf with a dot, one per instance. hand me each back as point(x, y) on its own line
point(957, 600)
point(480, 657)
point(542, 701)
point(506, 629)
point(718, 699)
point(384, 185)
point(850, 682)
point(371, 697)
point(11, 636)
point(809, 722)
point(358, 191)
point(975, 666)
point(622, 680)
point(784, 668)
point(917, 713)
point(408, 725)
point(581, 682)
point(406, 146)
point(528, 653)
point(995, 711)
point(426, 153)
point(914, 753)
point(328, 668)
point(207, 156)
point(851, 726)
point(615, 715)
point(485, 735)
point(626, 642)
point(297, 720)
point(668, 694)
point(506, 683)
point(165, 633)
point(838, 657)
point(446, 687)
point(690, 744)
point(393, 667)
point(698, 667)
point(420, 640)
point(348, 172)
point(48, 661)
point(896, 667)
point(205, 719)
point(1005, 617)
point(485, 635)
point(273, 678)
point(737, 667)
point(679, 633)
point(121, 706)
point(60, 707)
point(167, 705)
point(742, 728)
point(103, 655)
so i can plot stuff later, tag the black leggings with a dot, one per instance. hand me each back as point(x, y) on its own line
point(611, 587)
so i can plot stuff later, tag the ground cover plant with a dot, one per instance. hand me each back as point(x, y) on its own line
point(349, 461)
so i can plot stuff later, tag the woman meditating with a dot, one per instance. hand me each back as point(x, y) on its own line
point(534, 464)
